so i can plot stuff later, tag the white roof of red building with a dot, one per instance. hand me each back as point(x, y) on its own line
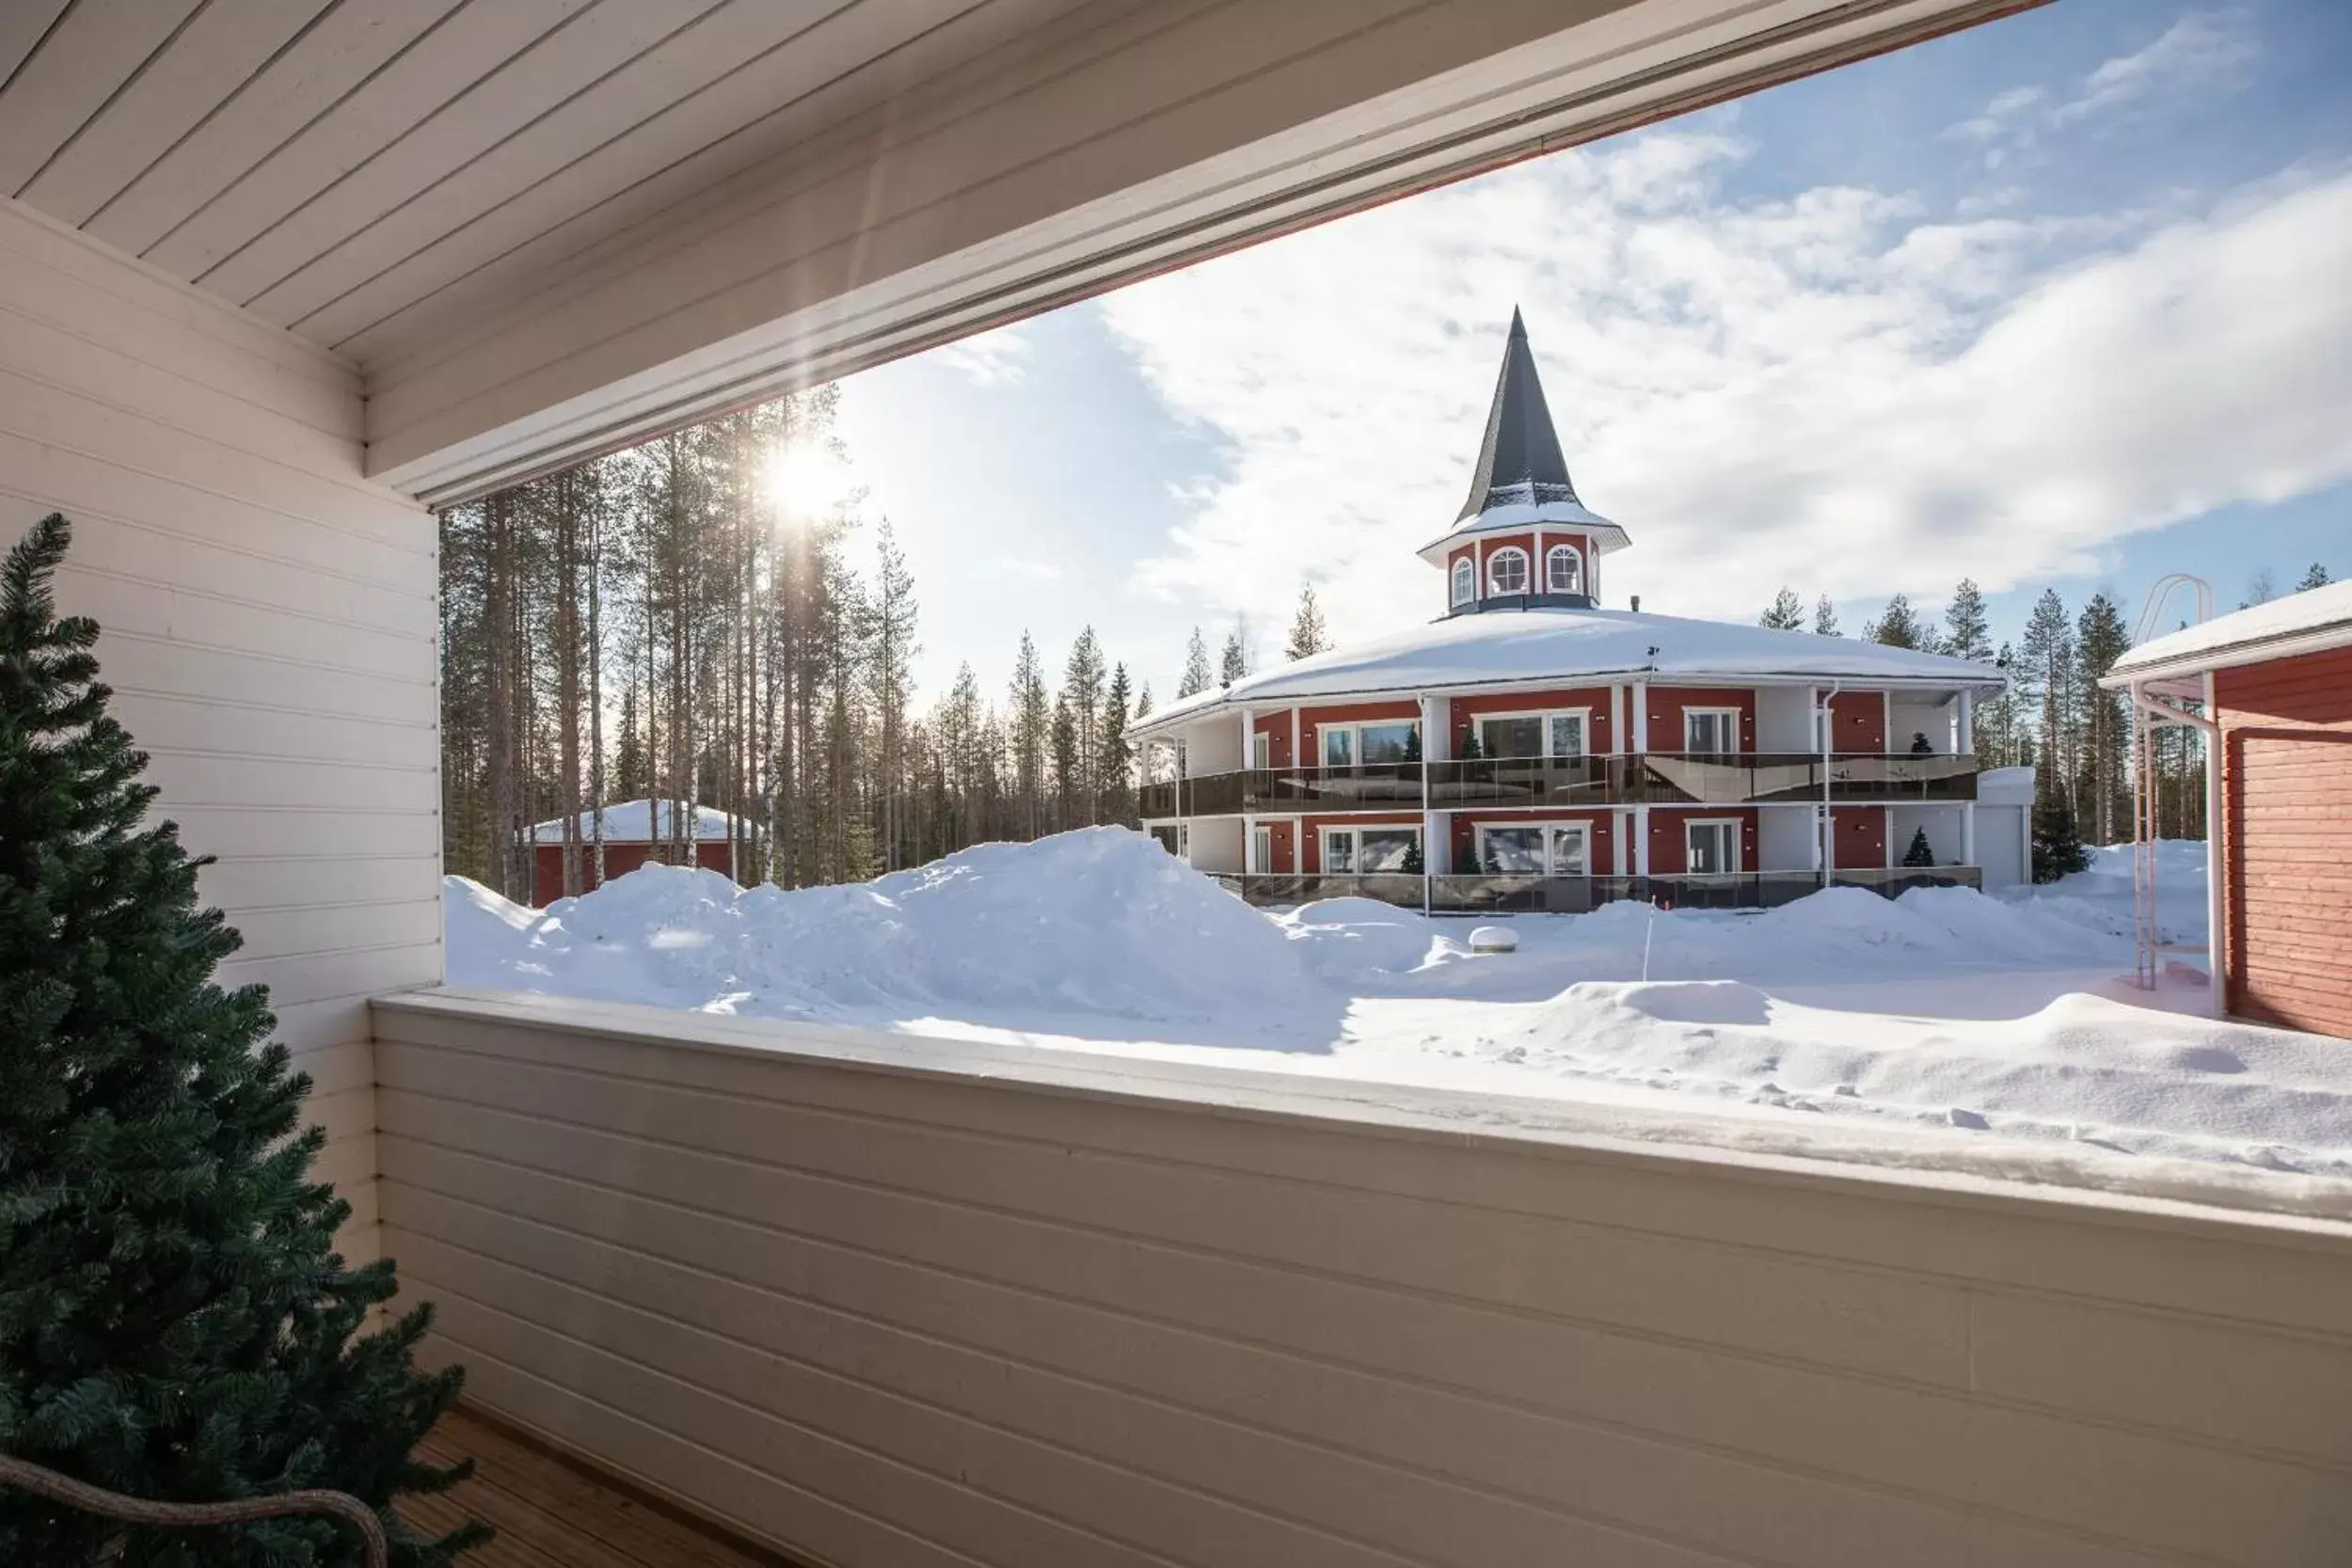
point(1566, 646)
point(2312, 621)
point(625, 822)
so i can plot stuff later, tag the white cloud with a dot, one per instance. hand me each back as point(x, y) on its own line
point(2202, 53)
point(2195, 52)
point(1830, 391)
point(997, 358)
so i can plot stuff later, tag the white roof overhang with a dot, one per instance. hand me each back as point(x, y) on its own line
point(539, 228)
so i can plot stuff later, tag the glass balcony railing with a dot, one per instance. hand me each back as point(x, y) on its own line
point(1654, 779)
point(1530, 894)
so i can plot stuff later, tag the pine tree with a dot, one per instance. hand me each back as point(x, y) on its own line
point(1236, 662)
point(1030, 713)
point(1787, 613)
point(2057, 844)
point(1897, 627)
point(1920, 852)
point(2316, 577)
point(1197, 677)
point(2100, 640)
point(2046, 673)
point(1115, 792)
point(1967, 633)
point(1308, 634)
point(175, 1322)
point(1825, 618)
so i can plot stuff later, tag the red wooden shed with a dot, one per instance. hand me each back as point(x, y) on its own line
point(2275, 682)
point(633, 829)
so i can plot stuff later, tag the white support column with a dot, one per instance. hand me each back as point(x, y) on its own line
point(1249, 739)
point(1616, 718)
point(1887, 815)
point(1537, 581)
point(1249, 845)
point(1640, 841)
point(1965, 741)
point(1967, 832)
point(2217, 908)
point(1298, 758)
point(1478, 571)
point(1638, 694)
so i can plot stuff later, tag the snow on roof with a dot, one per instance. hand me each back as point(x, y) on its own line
point(1503, 647)
point(2321, 616)
point(626, 823)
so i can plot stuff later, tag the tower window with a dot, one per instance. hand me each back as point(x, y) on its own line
point(1465, 581)
point(1506, 571)
point(1563, 570)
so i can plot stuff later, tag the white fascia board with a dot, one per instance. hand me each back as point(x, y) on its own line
point(2231, 657)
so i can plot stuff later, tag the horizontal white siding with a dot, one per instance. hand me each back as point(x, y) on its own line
point(988, 1311)
point(268, 627)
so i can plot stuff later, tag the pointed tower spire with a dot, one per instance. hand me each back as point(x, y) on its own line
point(1521, 458)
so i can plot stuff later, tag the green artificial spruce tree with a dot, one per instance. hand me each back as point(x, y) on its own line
point(175, 1322)
point(1920, 852)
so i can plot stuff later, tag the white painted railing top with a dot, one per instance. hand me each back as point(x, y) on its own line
point(886, 1300)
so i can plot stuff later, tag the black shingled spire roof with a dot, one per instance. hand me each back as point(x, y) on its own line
point(1521, 458)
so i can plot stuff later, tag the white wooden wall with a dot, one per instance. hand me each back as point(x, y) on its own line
point(893, 1301)
point(269, 631)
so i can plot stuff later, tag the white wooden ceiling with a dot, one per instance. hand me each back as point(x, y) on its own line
point(541, 226)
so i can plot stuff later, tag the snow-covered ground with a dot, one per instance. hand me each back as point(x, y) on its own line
point(1994, 1022)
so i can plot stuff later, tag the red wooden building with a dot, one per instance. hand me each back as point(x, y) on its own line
point(2275, 685)
point(633, 832)
point(1532, 749)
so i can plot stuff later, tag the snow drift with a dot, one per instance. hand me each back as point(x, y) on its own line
point(2005, 1017)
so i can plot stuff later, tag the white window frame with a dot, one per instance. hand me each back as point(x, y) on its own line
point(1261, 749)
point(1327, 836)
point(1732, 825)
point(1552, 834)
point(1576, 569)
point(1355, 729)
point(1464, 575)
point(1583, 717)
point(1494, 586)
point(1731, 726)
point(1261, 847)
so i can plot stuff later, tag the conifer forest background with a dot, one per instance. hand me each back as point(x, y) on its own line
point(660, 624)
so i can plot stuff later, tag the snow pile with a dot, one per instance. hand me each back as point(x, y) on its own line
point(1096, 923)
point(2002, 1022)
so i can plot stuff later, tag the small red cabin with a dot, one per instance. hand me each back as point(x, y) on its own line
point(633, 831)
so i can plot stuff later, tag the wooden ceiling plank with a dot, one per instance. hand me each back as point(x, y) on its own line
point(778, 220)
point(98, 46)
point(576, 61)
point(223, 44)
point(470, 44)
point(23, 25)
point(546, 170)
point(349, 45)
point(514, 242)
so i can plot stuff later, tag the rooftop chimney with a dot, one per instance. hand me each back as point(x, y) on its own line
point(1637, 604)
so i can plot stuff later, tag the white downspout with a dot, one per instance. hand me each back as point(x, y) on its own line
point(2216, 946)
point(1827, 839)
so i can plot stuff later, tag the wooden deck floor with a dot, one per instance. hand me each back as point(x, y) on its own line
point(552, 1514)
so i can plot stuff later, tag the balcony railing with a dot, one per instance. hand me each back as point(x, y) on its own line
point(1653, 778)
point(1516, 892)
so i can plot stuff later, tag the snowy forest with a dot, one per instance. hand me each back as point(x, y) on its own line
point(685, 619)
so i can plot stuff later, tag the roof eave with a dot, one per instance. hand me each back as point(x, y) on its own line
point(2259, 650)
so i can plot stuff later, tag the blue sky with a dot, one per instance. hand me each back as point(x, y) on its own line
point(2054, 302)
